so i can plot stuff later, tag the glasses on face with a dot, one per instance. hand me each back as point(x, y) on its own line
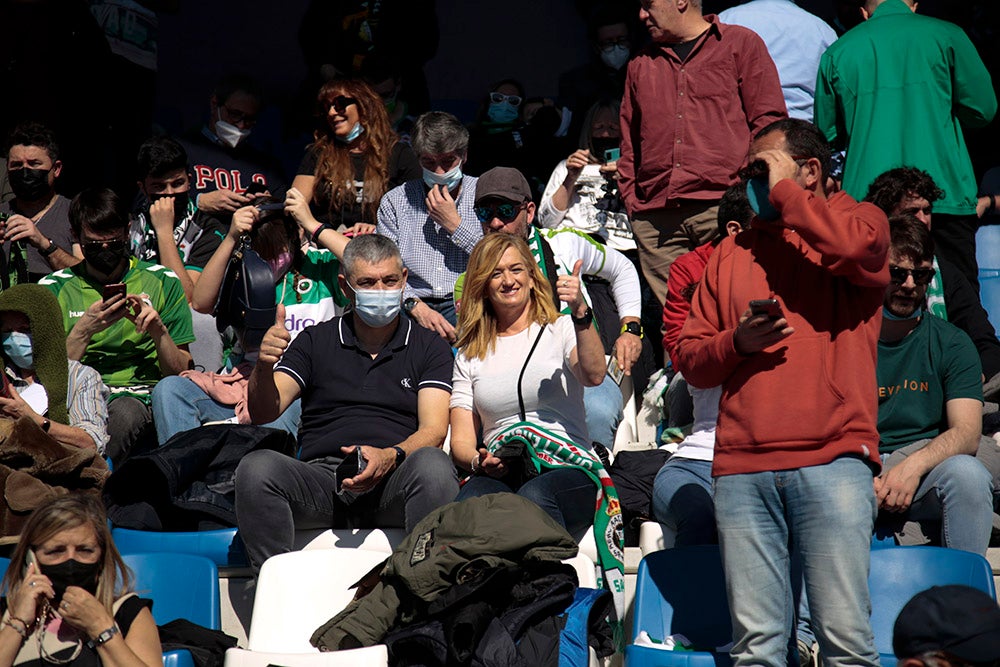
point(513, 100)
point(506, 212)
point(340, 103)
point(609, 44)
point(898, 275)
point(116, 245)
point(236, 117)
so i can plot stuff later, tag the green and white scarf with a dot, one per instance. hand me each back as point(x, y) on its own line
point(935, 294)
point(549, 451)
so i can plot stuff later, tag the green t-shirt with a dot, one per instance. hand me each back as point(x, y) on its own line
point(918, 375)
point(123, 356)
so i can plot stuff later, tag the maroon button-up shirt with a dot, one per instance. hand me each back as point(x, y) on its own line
point(687, 125)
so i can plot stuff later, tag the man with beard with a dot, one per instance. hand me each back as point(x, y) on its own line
point(930, 405)
point(126, 318)
point(36, 235)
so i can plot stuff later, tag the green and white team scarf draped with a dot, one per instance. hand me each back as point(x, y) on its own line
point(551, 451)
point(935, 295)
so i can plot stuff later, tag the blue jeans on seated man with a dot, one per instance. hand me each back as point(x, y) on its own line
point(958, 493)
point(603, 404)
point(181, 405)
point(821, 514)
point(566, 495)
point(277, 494)
point(682, 501)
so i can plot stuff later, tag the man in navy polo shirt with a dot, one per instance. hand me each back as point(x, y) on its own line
point(371, 379)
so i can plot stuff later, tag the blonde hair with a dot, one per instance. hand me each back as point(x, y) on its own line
point(66, 513)
point(477, 323)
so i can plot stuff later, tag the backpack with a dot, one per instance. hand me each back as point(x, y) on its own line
point(247, 300)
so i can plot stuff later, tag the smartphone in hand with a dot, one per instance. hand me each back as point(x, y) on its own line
point(349, 468)
point(113, 289)
point(769, 307)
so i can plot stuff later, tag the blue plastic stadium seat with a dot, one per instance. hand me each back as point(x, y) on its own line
point(681, 591)
point(899, 573)
point(221, 546)
point(988, 260)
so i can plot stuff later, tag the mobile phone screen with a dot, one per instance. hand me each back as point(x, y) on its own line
point(349, 467)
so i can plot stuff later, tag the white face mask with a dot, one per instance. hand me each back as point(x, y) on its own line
point(228, 133)
point(615, 57)
point(450, 179)
point(376, 307)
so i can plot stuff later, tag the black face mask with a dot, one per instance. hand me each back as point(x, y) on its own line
point(29, 184)
point(603, 144)
point(105, 260)
point(71, 573)
point(180, 204)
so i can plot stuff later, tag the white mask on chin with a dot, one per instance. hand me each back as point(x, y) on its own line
point(228, 133)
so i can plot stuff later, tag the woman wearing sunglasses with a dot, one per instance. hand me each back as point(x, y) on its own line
point(355, 158)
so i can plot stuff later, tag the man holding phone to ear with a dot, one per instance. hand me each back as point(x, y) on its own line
point(132, 337)
point(796, 447)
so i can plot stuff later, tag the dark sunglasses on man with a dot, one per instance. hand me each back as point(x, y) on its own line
point(898, 275)
point(505, 211)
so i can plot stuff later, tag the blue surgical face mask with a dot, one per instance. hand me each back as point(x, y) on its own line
point(450, 179)
point(758, 191)
point(377, 307)
point(502, 112)
point(896, 318)
point(17, 347)
point(352, 135)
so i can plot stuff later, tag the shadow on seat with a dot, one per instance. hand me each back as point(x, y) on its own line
point(221, 546)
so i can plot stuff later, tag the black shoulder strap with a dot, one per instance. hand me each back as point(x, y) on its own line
point(520, 398)
point(550, 269)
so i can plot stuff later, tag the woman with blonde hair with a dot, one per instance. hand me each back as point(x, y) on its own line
point(355, 157)
point(67, 594)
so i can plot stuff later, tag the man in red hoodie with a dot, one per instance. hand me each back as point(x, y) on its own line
point(796, 444)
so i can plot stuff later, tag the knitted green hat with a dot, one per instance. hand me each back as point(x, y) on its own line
point(48, 341)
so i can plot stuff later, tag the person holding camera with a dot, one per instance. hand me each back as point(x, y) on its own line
point(582, 192)
point(374, 389)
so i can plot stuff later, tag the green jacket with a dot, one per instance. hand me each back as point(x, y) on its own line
point(894, 90)
point(449, 545)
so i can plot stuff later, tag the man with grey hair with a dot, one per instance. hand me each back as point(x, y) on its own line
point(432, 221)
point(375, 390)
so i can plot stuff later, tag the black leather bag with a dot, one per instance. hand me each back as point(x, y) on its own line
point(247, 299)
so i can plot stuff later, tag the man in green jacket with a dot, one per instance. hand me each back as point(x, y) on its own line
point(895, 91)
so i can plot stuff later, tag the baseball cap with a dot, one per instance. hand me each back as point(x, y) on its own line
point(504, 182)
point(959, 620)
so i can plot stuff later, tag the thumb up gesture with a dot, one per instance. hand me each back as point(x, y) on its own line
point(275, 340)
point(570, 292)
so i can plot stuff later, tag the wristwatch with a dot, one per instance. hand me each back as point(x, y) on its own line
point(103, 638)
point(400, 455)
point(409, 304)
point(633, 328)
point(585, 320)
point(52, 247)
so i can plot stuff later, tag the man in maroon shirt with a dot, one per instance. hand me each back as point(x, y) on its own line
point(693, 99)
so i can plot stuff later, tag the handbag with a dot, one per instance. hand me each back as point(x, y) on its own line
point(247, 300)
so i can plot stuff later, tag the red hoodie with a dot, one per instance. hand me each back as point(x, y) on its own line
point(809, 398)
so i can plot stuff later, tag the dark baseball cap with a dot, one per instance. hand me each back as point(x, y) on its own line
point(503, 182)
point(959, 620)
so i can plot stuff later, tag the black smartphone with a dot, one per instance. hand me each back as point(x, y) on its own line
point(113, 289)
point(350, 467)
point(769, 307)
point(271, 206)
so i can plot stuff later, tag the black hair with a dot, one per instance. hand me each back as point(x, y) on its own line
point(607, 13)
point(377, 68)
point(97, 210)
point(734, 206)
point(159, 156)
point(890, 188)
point(910, 238)
point(35, 134)
point(804, 139)
point(237, 83)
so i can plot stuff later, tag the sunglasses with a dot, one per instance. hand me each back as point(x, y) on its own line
point(116, 245)
point(898, 275)
point(514, 100)
point(340, 103)
point(505, 211)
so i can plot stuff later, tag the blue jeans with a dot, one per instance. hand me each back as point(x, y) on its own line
point(180, 405)
point(682, 501)
point(824, 516)
point(603, 404)
point(567, 496)
point(958, 492)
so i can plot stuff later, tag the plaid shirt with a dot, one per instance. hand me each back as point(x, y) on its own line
point(434, 258)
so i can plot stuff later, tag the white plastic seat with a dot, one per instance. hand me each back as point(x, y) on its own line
point(368, 539)
point(360, 657)
point(653, 537)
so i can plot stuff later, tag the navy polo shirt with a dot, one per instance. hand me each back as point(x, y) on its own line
point(348, 398)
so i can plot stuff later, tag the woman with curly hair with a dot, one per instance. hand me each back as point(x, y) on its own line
point(355, 157)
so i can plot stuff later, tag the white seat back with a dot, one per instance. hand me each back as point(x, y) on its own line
point(371, 656)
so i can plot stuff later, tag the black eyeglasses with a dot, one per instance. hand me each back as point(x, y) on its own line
point(111, 244)
point(514, 100)
point(505, 211)
point(236, 117)
point(340, 103)
point(898, 275)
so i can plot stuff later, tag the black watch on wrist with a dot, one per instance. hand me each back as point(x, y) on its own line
point(49, 250)
point(409, 304)
point(585, 319)
point(400, 455)
point(633, 328)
